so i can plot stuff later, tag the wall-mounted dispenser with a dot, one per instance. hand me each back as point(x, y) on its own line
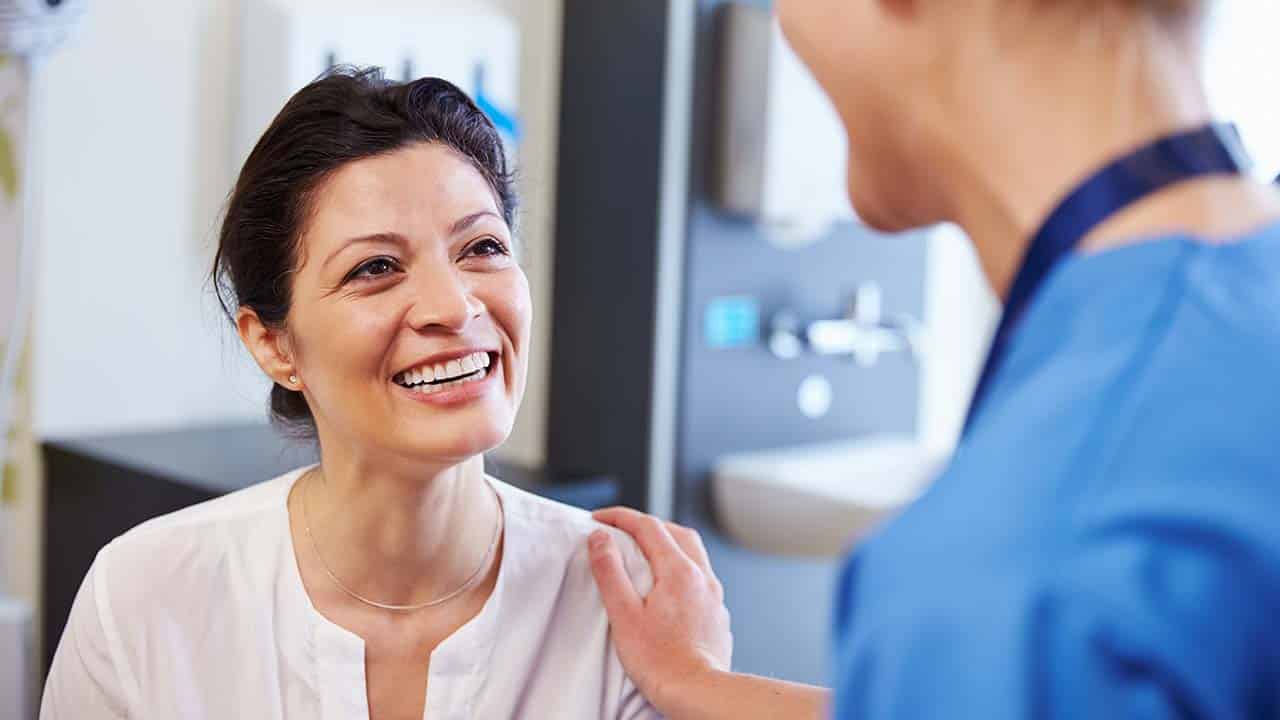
point(780, 149)
point(288, 43)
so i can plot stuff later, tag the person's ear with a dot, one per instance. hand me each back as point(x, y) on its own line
point(269, 347)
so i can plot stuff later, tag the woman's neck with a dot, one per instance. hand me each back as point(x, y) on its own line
point(400, 535)
point(1045, 113)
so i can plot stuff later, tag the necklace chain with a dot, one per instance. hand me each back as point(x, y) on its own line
point(466, 585)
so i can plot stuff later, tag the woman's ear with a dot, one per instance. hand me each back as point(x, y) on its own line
point(269, 347)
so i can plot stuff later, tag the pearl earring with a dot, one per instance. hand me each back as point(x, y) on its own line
point(293, 379)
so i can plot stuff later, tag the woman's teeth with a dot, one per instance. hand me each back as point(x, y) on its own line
point(434, 378)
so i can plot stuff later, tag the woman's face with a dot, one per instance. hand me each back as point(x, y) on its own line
point(868, 57)
point(409, 325)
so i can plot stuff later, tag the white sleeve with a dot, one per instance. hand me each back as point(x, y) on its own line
point(84, 681)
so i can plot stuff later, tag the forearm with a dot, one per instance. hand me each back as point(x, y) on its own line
point(736, 696)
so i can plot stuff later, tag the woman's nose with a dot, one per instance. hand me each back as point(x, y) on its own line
point(443, 299)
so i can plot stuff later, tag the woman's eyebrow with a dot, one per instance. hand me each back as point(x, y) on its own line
point(463, 224)
point(392, 238)
point(395, 238)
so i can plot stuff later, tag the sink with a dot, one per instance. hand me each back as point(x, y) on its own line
point(817, 500)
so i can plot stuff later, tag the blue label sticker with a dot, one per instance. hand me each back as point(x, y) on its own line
point(732, 322)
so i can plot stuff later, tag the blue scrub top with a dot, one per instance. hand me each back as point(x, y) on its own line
point(1106, 541)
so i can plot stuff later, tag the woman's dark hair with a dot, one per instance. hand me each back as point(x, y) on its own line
point(348, 114)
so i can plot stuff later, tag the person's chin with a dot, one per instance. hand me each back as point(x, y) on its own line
point(456, 442)
point(873, 216)
point(880, 216)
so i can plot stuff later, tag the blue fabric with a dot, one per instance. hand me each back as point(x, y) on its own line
point(1106, 541)
point(1166, 161)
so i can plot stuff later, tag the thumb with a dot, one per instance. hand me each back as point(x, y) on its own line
point(617, 592)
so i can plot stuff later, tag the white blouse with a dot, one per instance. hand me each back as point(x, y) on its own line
point(201, 614)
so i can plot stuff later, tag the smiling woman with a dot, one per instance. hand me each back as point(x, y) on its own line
point(367, 261)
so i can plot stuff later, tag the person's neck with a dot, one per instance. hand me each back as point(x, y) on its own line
point(400, 533)
point(1033, 134)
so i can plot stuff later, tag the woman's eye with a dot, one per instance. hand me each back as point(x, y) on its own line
point(487, 247)
point(376, 267)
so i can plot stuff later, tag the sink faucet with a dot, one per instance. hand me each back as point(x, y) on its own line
point(864, 334)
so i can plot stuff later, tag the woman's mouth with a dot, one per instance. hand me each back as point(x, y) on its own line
point(441, 377)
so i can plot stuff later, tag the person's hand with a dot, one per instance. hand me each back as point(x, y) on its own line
point(679, 632)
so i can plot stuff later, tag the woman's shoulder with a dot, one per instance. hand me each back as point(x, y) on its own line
point(549, 612)
point(555, 532)
point(181, 573)
point(256, 502)
point(198, 544)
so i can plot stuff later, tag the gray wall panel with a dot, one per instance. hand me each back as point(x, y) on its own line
point(606, 233)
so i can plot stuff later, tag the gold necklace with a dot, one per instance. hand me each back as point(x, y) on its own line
point(467, 585)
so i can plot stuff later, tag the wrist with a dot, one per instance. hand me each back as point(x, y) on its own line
point(691, 694)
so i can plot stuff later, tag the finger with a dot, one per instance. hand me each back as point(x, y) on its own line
point(616, 591)
point(688, 539)
point(691, 542)
point(659, 548)
point(610, 515)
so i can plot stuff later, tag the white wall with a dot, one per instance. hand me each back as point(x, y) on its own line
point(1240, 72)
point(138, 159)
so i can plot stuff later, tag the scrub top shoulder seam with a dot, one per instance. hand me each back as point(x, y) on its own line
point(1115, 424)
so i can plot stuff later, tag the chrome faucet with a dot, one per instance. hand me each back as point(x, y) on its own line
point(864, 334)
